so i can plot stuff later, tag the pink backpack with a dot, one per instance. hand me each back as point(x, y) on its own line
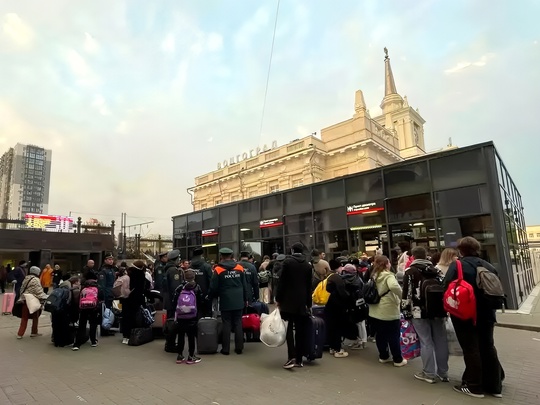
point(89, 298)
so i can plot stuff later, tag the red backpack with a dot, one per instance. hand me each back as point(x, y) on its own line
point(459, 298)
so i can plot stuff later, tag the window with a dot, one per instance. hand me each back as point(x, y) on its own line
point(407, 180)
point(409, 208)
point(218, 201)
point(250, 230)
point(194, 238)
point(538, 235)
point(329, 195)
point(458, 170)
point(531, 235)
point(180, 225)
point(273, 188)
point(329, 220)
point(367, 187)
point(210, 219)
point(298, 201)
point(228, 215)
point(253, 192)
point(301, 223)
point(272, 206)
point(228, 233)
point(195, 222)
point(462, 201)
point(298, 182)
point(204, 206)
point(249, 211)
point(332, 243)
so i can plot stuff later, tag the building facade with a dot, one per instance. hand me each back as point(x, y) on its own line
point(358, 144)
point(430, 201)
point(25, 172)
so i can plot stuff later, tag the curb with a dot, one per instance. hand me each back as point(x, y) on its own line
point(532, 328)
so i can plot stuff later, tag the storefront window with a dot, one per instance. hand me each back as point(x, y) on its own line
point(228, 215)
point(272, 232)
point(458, 170)
point(329, 220)
point(249, 211)
point(194, 238)
point(305, 239)
point(210, 219)
point(250, 230)
point(462, 201)
point(195, 222)
point(407, 236)
point(228, 233)
point(329, 195)
point(297, 201)
point(410, 208)
point(301, 223)
point(272, 206)
point(332, 243)
point(369, 240)
point(407, 180)
point(180, 224)
point(365, 187)
point(180, 240)
point(479, 227)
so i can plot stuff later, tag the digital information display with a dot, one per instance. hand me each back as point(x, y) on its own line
point(50, 223)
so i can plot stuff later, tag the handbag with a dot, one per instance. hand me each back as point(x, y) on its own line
point(17, 309)
point(32, 303)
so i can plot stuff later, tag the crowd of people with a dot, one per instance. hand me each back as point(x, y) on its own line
point(360, 299)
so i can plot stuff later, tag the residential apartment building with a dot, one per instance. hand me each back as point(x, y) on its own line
point(358, 144)
point(25, 172)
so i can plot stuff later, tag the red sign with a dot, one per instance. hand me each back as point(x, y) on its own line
point(270, 223)
point(368, 208)
point(209, 232)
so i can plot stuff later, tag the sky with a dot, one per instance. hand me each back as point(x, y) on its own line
point(137, 98)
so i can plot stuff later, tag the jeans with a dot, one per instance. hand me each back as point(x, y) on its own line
point(388, 336)
point(90, 316)
point(482, 368)
point(26, 315)
point(232, 321)
point(433, 346)
point(189, 328)
point(296, 342)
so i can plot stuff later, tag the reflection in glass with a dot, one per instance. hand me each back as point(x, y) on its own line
point(364, 187)
point(228, 233)
point(331, 219)
point(249, 211)
point(411, 208)
point(210, 219)
point(462, 201)
point(332, 243)
point(297, 201)
point(407, 236)
point(195, 222)
point(271, 206)
point(228, 215)
point(305, 239)
point(458, 170)
point(407, 180)
point(194, 238)
point(329, 195)
point(301, 223)
point(250, 231)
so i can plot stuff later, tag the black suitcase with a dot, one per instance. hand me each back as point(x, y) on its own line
point(315, 339)
point(207, 336)
point(140, 336)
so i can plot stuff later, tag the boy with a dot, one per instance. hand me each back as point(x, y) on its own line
point(188, 298)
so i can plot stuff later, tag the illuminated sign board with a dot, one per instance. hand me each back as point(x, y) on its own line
point(209, 232)
point(368, 208)
point(50, 223)
point(269, 223)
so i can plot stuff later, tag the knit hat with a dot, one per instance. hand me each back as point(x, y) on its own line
point(189, 275)
point(35, 270)
point(349, 268)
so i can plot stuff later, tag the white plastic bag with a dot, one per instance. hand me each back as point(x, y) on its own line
point(273, 330)
point(454, 349)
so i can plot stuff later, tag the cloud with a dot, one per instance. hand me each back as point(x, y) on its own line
point(244, 36)
point(210, 139)
point(91, 46)
point(122, 128)
point(464, 65)
point(80, 69)
point(168, 44)
point(100, 104)
point(181, 75)
point(214, 42)
point(17, 30)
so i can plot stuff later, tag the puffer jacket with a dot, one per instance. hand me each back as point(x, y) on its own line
point(32, 285)
point(388, 309)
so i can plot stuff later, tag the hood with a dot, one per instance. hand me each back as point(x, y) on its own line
point(229, 264)
point(315, 259)
point(299, 257)
point(352, 279)
point(197, 262)
point(383, 275)
point(169, 265)
point(190, 285)
point(425, 266)
point(65, 284)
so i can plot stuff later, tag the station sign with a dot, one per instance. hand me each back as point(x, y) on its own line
point(367, 208)
point(270, 223)
point(247, 155)
point(209, 232)
point(50, 223)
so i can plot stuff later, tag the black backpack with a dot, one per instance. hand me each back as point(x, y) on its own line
point(360, 308)
point(432, 296)
point(57, 300)
point(370, 293)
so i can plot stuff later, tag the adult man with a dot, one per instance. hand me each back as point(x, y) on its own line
point(430, 324)
point(57, 276)
point(159, 271)
point(89, 270)
point(228, 283)
point(275, 267)
point(252, 278)
point(106, 277)
point(184, 264)
point(321, 268)
point(293, 298)
point(17, 276)
point(203, 275)
point(173, 277)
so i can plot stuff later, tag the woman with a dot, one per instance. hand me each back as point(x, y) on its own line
point(139, 287)
point(46, 278)
point(386, 314)
point(31, 285)
point(483, 372)
point(448, 256)
point(335, 313)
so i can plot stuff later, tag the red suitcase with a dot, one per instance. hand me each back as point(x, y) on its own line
point(251, 325)
point(7, 303)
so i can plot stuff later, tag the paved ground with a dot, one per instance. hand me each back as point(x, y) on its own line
point(33, 371)
point(528, 315)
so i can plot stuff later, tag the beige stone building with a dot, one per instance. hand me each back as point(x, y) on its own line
point(360, 143)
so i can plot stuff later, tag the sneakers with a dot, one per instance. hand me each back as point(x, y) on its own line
point(95, 344)
point(125, 341)
point(290, 364)
point(75, 348)
point(332, 351)
point(495, 395)
point(342, 353)
point(403, 363)
point(443, 379)
point(424, 377)
point(36, 334)
point(388, 360)
point(224, 352)
point(357, 346)
point(193, 360)
point(464, 389)
point(19, 337)
point(299, 365)
point(180, 359)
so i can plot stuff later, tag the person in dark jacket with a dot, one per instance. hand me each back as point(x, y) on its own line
point(90, 316)
point(60, 319)
point(203, 275)
point(57, 276)
point(159, 271)
point(293, 298)
point(229, 285)
point(252, 278)
point(139, 287)
point(105, 280)
point(173, 277)
point(17, 276)
point(430, 330)
point(483, 372)
point(354, 286)
point(335, 313)
point(275, 267)
point(89, 271)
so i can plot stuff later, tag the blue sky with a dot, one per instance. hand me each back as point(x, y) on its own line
point(136, 98)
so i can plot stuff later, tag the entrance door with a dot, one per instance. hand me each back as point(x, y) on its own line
point(368, 241)
point(271, 246)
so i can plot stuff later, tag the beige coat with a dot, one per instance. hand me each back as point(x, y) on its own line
point(32, 285)
point(389, 307)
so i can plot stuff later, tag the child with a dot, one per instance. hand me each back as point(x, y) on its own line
point(60, 319)
point(88, 313)
point(189, 299)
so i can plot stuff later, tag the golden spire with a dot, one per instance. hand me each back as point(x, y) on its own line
point(389, 84)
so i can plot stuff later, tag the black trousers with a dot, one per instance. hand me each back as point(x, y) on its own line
point(232, 322)
point(3, 286)
point(297, 333)
point(483, 370)
point(90, 316)
point(129, 318)
point(61, 331)
point(388, 337)
point(187, 328)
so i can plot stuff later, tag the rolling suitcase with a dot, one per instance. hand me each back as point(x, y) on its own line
point(315, 339)
point(140, 336)
point(207, 336)
point(318, 312)
point(7, 303)
point(251, 325)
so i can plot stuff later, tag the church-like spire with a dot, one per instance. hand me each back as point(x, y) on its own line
point(389, 84)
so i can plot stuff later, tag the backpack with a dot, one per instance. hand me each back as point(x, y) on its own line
point(89, 298)
point(57, 300)
point(432, 296)
point(186, 306)
point(264, 276)
point(120, 289)
point(491, 285)
point(370, 292)
point(360, 309)
point(320, 296)
point(459, 298)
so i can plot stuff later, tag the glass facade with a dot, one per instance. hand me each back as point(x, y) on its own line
point(431, 201)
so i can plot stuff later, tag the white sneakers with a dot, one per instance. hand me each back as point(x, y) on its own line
point(125, 341)
point(342, 353)
point(403, 363)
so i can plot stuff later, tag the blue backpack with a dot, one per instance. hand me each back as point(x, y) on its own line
point(186, 306)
